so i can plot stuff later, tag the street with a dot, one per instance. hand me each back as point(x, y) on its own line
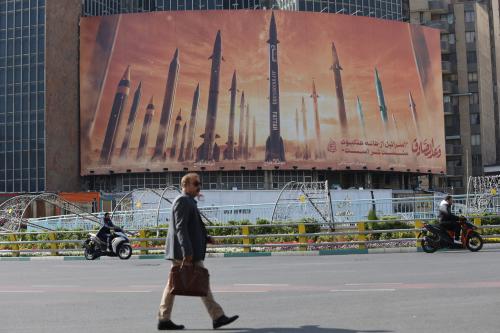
point(406, 292)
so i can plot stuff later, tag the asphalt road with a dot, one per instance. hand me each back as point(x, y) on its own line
point(414, 292)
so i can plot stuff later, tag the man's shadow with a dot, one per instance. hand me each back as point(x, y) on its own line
point(302, 329)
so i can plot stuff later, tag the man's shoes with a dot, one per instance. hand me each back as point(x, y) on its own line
point(167, 325)
point(223, 320)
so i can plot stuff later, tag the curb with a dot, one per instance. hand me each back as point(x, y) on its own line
point(251, 254)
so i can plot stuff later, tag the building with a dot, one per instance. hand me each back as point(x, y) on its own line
point(470, 40)
point(39, 102)
point(39, 95)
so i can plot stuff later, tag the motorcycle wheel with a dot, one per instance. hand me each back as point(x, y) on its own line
point(474, 242)
point(124, 251)
point(427, 245)
point(89, 252)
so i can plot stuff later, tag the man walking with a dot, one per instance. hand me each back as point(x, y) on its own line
point(187, 244)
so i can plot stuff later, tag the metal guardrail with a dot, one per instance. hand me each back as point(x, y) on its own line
point(303, 240)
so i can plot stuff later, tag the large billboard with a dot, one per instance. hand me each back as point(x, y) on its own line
point(212, 90)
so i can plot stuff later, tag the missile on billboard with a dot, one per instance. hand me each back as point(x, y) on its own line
point(361, 116)
point(254, 130)
point(131, 121)
point(319, 153)
point(167, 109)
point(114, 118)
point(175, 139)
point(240, 128)
point(229, 151)
point(148, 116)
point(339, 90)
point(275, 149)
point(381, 99)
point(413, 110)
point(192, 125)
point(208, 149)
point(183, 144)
point(247, 126)
point(297, 133)
point(304, 124)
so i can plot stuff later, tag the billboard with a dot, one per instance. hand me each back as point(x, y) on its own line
point(212, 90)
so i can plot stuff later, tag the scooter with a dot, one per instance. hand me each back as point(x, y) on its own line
point(433, 237)
point(94, 247)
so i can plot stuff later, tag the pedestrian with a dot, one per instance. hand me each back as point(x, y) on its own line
point(186, 244)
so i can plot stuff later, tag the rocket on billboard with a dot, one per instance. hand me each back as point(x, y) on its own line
point(229, 151)
point(339, 90)
point(192, 124)
point(361, 116)
point(319, 153)
point(114, 118)
point(168, 105)
point(148, 117)
point(241, 126)
point(209, 150)
point(183, 143)
point(275, 149)
point(307, 154)
point(381, 98)
point(175, 139)
point(131, 121)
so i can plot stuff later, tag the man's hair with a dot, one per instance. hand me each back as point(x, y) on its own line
point(186, 180)
point(106, 214)
point(448, 197)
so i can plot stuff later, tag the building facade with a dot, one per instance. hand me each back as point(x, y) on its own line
point(39, 101)
point(470, 64)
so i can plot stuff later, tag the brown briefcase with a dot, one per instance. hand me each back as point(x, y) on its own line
point(189, 280)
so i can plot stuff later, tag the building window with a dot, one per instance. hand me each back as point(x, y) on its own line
point(472, 76)
point(475, 119)
point(470, 16)
point(475, 140)
point(451, 38)
point(474, 99)
point(470, 36)
point(476, 160)
point(471, 57)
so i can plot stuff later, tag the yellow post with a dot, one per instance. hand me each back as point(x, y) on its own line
point(53, 246)
point(477, 222)
point(361, 235)
point(418, 225)
point(14, 247)
point(245, 230)
point(302, 239)
point(144, 243)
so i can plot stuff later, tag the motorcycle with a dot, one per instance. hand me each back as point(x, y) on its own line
point(94, 247)
point(433, 237)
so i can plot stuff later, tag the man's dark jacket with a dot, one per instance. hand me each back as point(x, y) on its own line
point(187, 235)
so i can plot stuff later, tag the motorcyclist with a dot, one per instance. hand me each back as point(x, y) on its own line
point(104, 233)
point(448, 220)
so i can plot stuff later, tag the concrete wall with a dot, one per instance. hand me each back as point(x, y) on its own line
point(62, 98)
point(485, 80)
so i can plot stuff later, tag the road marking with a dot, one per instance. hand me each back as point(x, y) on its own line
point(240, 291)
point(22, 291)
point(123, 291)
point(360, 290)
point(54, 286)
point(374, 284)
point(262, 284)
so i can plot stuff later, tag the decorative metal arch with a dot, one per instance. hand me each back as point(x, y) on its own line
point(177, 191)
point(297, 197)
point(12, 211)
